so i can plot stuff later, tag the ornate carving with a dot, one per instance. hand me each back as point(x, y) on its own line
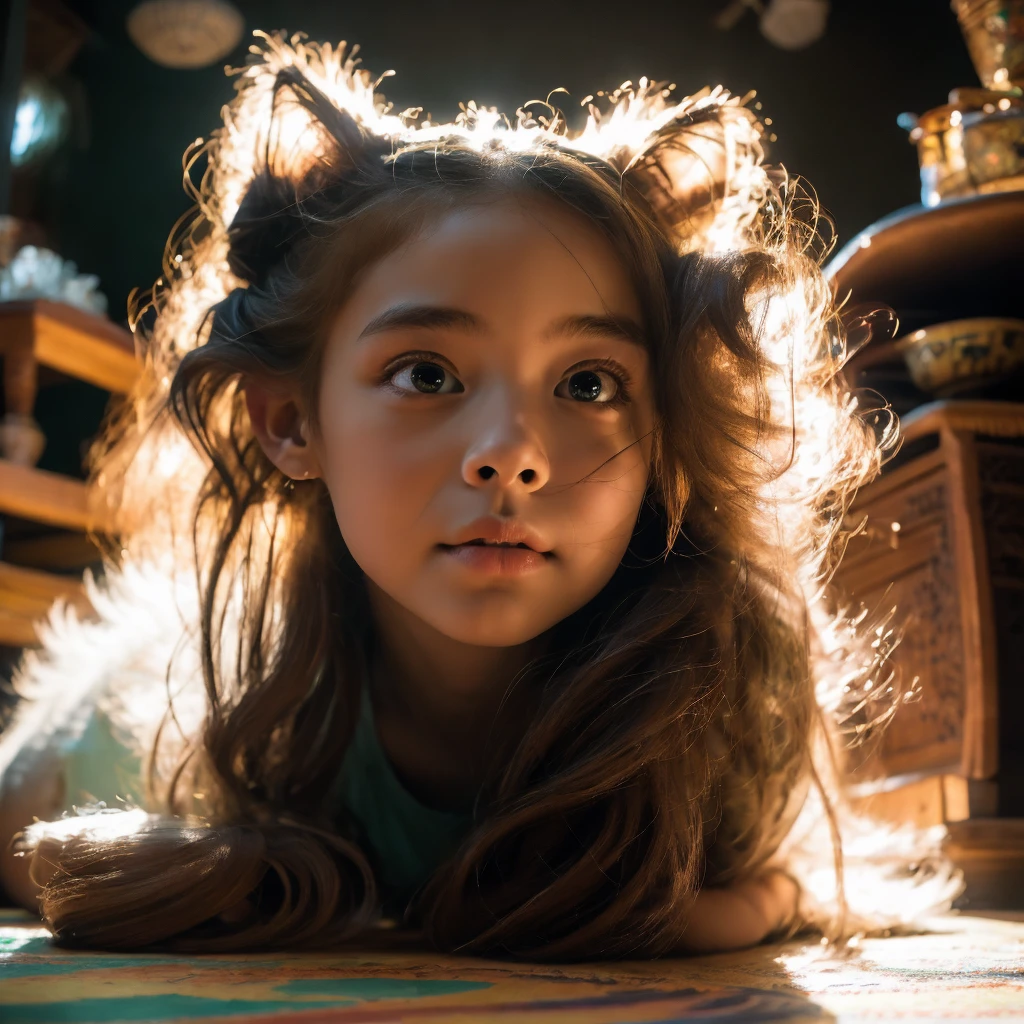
point(1001, 473)
point(1000, 465)
point(926, 503)
point(921, 571)
point(928, 607)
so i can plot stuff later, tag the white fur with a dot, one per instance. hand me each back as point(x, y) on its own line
point(116, 665)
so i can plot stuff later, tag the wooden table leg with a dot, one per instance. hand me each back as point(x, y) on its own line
point(21, 440)
point(20, 381)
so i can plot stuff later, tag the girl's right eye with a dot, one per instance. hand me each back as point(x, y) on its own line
point(426, 378)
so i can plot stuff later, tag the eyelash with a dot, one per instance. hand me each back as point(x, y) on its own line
point(623, 381)
point(410, 359)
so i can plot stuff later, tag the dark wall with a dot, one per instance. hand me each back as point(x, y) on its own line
point(110, 201)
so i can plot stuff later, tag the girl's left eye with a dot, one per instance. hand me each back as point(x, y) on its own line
point(427, 379)
point(596, 386)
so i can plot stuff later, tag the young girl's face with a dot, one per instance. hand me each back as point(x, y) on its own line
point(485, 411)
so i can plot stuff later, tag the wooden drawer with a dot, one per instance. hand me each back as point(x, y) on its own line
point(944, 544)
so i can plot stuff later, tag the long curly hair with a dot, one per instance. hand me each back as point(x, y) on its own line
point(684, 714)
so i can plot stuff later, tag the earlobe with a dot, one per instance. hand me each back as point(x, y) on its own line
point(281, 429)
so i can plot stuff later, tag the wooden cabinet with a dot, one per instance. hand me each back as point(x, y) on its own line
point(945, 532)
point(944, 542)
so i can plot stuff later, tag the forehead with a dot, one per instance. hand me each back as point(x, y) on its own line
point(515, 259)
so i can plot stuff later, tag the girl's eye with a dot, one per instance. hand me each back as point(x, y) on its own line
point(589, 386)
point(427, 378)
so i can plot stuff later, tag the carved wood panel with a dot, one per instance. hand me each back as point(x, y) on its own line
point(1001, 475)
point(911, 565)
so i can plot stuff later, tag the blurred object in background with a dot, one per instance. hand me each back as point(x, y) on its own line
point(36, 273)
point(40, 122)
point(21, 440)
point(789, 24)
point(185, 33)
point(942, 529)
point(972, 145)
point(794, 24)
point(975, 143)
point(994, 30)
point(15, 234)
point(40, 40)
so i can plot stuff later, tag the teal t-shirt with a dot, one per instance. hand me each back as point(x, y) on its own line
point(405, 840)
point(97, 766)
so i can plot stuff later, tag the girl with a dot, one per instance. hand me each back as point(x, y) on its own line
point(474, 509)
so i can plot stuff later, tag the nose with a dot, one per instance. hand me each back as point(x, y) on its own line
point(506, 452)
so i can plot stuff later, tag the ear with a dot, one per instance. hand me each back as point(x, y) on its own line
point(281, 429)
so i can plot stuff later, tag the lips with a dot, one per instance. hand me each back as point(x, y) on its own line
point(490, 531)
point(480, 542)
point(499, 546)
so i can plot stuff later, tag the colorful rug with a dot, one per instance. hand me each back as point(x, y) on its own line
point(965, 969)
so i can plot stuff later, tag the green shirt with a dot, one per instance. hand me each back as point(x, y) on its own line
point(408, 841)
point(405, 840)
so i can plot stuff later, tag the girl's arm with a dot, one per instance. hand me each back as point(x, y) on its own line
point(32, 787)
point(740, 915)
point(48, 771)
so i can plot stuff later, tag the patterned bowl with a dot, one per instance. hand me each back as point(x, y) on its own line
point(961, 354)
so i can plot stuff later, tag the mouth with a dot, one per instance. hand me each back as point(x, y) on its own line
point(480, 542)
point(500, 555)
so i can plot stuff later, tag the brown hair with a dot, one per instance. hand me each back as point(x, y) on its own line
point(674, 740)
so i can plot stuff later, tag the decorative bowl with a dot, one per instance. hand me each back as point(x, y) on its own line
point(961, 354)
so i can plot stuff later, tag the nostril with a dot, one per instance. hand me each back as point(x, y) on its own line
point(486, 472)
point(527, 476)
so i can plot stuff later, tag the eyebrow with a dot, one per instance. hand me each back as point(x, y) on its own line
point(426, 317)
point(622, 328)
point(440, 317)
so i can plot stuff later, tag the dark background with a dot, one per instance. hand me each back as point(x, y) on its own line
point(110, 197)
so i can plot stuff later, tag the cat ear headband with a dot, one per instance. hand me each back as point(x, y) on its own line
point(698, 160)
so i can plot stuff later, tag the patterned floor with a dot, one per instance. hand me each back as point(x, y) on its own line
point(965, 969)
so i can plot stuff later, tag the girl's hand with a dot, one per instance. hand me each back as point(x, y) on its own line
point(740, 915)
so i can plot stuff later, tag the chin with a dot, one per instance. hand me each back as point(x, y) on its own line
point(497, 627)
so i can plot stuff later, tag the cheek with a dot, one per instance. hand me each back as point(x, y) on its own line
point(599, 475)
point(601, 512)
point(382, 473)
